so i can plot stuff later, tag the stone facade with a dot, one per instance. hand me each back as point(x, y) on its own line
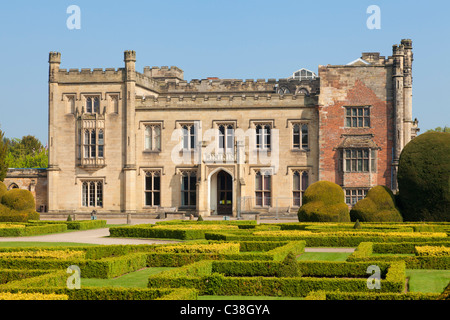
point(121, 141)
point(34, 180)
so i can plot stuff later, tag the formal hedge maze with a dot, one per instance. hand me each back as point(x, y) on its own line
point(235, 258)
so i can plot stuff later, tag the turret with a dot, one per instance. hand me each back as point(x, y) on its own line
point(54, 61)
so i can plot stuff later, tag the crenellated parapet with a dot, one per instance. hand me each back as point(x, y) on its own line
point(230, 86)
point(216, 101)
point(108, 75)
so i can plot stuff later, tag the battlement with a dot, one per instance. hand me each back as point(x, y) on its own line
point(90, 75)
point(225, 101)
point(164, 72)
point(129, 55)
point(398, 50)
point(54, 57)
point(230, 86)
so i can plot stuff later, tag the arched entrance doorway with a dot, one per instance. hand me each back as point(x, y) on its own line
point(224, 193)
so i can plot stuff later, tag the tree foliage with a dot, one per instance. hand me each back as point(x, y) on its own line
point(27, 152)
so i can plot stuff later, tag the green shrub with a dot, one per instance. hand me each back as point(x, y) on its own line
point(289, 267)
point(377, 206)
point(323, 201)
point(424, 178)
point(18, 199)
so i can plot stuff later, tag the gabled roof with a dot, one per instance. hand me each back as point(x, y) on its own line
point(358, 61)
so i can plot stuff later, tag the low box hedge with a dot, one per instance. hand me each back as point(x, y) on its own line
point(331, 239)
point(197, 276)
point(364, 253)
point(32, 230)
point(337, 295)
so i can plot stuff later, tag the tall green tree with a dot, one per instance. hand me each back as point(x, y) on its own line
point(27, 152)
point(440, 129)
point(3, 154)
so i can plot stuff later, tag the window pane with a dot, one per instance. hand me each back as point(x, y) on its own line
point(92, 194)
point(89, 105)
point(148, 183)
point(296, 199)
point(366, 112)
point(156, 183)
point(100, 151)
point(296, 180)
point(354, 112)
point(360, 112)
point(99, 194)
point(266, 182)
point(267, 199)
point(193, 182)
point(148, 198)
point(296, 140)
point(100, 137)
point(304, 181)
point(96, 105)
point(157, 131)
point(360, 122)
point(156, 198)
point(148, 138)
point(349, 111)
point(348, 165)
point(366, 122)
point(185, 198)
point(85, 194)
point(258, 199)
point(258, 184)
point(192, 199)
point(185, 183)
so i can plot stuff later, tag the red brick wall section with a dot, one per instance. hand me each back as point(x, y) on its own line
point(353, 87)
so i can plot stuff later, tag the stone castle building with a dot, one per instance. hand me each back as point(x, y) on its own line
point(123, 141)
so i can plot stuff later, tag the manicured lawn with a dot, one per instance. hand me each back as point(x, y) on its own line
point(323, 256)
point(137, 279)
point(424, 280)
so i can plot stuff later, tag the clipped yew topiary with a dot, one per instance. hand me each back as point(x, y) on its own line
point(17, 205)
point(424, 178)
point(289, 267)
point(324, 201)
point(18, 199)
point(377, 206)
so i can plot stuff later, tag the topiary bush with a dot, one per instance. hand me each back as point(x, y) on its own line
point(324, 201)
point(289, 267)
point(424, 178)
point(377, 206)
point(18, 199)
point(17, 205)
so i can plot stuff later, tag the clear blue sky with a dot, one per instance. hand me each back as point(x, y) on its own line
point(244, 39)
